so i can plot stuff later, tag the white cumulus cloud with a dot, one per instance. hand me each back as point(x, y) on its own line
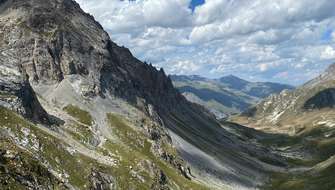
point(328, 53)
point(257, 40)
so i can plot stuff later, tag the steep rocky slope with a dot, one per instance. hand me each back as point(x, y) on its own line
point(305, 120)
point(226, 95)
point(72, 100)
point(315, 96)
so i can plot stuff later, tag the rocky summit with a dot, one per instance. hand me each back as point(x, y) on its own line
point(51, 40)
point(77, 111)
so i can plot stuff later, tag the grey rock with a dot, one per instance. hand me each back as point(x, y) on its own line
point(101, 181)
point(54, 38)
point(21, 98)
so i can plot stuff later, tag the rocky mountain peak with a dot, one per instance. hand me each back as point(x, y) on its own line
point(53, 39)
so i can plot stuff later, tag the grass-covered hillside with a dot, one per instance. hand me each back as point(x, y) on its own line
point(61, 157)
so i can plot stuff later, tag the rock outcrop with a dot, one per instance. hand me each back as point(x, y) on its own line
point(52, 39)
point(21, 98)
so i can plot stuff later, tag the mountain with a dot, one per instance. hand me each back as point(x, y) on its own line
point(80, 112)
point(226, 95)
point(77, 111)
point(256, 89)
point(304, 121)
point(315, 96)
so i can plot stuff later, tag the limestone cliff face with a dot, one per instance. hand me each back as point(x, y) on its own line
point(16, 92)
point(51, 39)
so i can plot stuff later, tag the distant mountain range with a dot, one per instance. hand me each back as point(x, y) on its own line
point(226, 95)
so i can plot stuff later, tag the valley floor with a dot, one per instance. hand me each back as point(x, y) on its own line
point(307, 142)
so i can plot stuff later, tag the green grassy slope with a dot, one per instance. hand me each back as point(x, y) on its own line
point(51, 163)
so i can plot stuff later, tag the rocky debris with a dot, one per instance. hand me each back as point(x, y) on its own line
point(185, 171)
point(101, 181)
point(178, 163)
point(161, 182)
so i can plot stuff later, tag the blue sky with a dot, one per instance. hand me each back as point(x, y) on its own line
point(327, 35)
point(195, 3)
point(287, 41)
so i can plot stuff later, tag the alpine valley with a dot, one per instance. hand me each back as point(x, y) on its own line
point(77, 111)
point(227, 95)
